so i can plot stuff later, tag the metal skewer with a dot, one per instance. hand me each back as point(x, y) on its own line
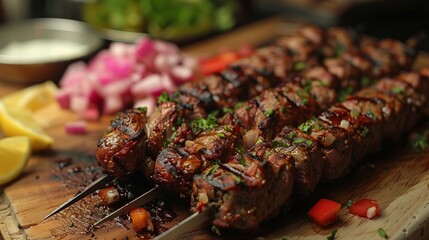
point(184, 226)
point(97, 184)
point(140, 200)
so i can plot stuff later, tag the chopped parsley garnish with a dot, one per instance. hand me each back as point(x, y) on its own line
point(344, 93)
point(303, 96)
point(227, 110)
point(215, 230)
point(238, 179)
point(213, 169)
point(142, 109)
point(267, 153)
point(366, 81)
point(239, 149)
point(243, 162)
point(305, 127)
point(238, 105)
point(276, 144)
point(398, 90)
point(349, 203)
point(259, 140)
point(382, 233)
point(299, 66)
point(332, 236)
point(307, 86)
point(228, 128)
point(269, 113)
point(364, 132)
point(221, 135)
point(291, 135)
point(419, 142)
point(371, 115)
point(302, 140)
point(178, 121)
point(163, 97)
point(283, 109)
point(201, 124)
point(339, 50)
point(173, 136)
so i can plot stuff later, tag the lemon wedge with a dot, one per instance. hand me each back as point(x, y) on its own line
point(14, 155)
point(32, 98)
point(19, 122)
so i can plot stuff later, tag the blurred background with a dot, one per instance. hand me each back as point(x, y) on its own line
point(185, 21)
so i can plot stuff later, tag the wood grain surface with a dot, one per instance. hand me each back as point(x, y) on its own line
point(397, 177)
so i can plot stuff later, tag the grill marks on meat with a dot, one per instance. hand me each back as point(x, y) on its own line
point(326, 145)
point(264, 116)
point(244, 188)
point(168, 126)
point(176, 167)
point(122, 150)
point(259, 118)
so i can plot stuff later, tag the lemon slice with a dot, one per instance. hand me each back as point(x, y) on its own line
point(19, 122)
point(32, 98)
point(14, 154)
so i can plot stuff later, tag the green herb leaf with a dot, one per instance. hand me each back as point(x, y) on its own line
point(283, 109)
point(142, 109)
point(243, 161)
point(299, 66)
point(354, 113)
point(398, 90)
point(366, 81)
point(238, 105)
point(163, 97)
point(267, 153)
point(307, 86)
point(213, 169)
point(302, 140)
point(419, 142)
point(227, 110)
point(382, 233)
point(371, 115)
point(269, 113)
point(259, 140)
point(239, 149)
point(305, 127)
point(349, 203)
point(332, 236)
point(276, 144)
point(201, 124)
point(221, 135)
point(344, 93)
point(364, 132)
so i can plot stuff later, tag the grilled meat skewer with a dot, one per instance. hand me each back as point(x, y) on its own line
point(242, 80)
point(261, 119)
point(251, 187)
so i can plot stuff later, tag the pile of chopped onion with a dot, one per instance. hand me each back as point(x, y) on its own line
point(124, 75)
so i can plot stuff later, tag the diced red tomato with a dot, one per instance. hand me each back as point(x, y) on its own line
point(324, 212)
point(221, 60)
point(366, 207)
point(211, 66)
point(141, 219)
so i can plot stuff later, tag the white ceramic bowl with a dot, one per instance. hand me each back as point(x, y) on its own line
point(37, 50)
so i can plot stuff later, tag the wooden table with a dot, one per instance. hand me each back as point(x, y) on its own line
point(397, 178)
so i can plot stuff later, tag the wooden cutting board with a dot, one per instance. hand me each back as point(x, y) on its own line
point(398, 178)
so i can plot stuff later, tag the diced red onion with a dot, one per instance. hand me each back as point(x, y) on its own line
point(78, 127)
point(181, 74)
point(122, 75)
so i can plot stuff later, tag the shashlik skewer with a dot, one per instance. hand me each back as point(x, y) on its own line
point(170, 171)
point(261, 118)
point(267, 67)
point(242, 195)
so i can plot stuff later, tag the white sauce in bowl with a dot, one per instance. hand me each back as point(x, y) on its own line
point(43, 50)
